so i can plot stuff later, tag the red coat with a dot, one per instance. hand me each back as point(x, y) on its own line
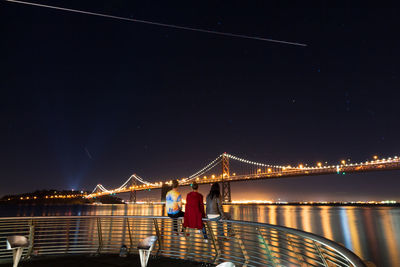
point(194, 211)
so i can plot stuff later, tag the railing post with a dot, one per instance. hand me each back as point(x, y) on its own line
point(99, 235)
point(31, 238)
point(130, 235)
point(266, 247)
point(189, 242)
point(158, 235)
point(67, 238)
point(217, 252)
point(295, 250)
point(320, 254)
point(244, 252)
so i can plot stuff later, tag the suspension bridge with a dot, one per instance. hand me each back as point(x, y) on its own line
point(227, 168)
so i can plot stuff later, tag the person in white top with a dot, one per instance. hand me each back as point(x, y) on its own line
point(214, 209)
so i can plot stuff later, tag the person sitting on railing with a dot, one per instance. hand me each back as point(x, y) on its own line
point(173, 205)
point(214, 209)
point(194, 211)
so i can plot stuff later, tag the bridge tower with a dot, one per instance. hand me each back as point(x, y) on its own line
point(132, 193)
point(98, 190)
point(226, 186)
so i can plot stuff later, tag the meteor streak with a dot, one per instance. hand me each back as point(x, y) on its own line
point(88, 154)
point(158, 23)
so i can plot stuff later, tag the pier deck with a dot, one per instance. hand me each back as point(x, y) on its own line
point(101, 261)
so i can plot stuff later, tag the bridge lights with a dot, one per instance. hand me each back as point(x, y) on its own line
point(301, 166)
point(269, 170)
point(375, 157)
point(343, 162)
point(259, 171)
point(319, 164)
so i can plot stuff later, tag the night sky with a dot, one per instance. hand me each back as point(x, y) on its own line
point(87, 100)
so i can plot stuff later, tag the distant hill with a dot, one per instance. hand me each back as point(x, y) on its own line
point(53, 196)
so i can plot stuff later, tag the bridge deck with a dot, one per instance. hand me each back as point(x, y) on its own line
point(270, 173)
point(393, 164)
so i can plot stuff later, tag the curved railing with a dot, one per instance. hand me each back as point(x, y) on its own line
point(241, 242)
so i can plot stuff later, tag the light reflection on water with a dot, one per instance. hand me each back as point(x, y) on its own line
point(373, 233)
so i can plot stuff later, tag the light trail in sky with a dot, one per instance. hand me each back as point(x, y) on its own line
point(88, 154)
point(159, 24)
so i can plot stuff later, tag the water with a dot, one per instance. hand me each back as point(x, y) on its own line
point(373, 233)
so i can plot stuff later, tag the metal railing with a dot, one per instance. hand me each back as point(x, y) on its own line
point(241, 242)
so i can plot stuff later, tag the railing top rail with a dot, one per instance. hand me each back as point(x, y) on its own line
point(84, 216)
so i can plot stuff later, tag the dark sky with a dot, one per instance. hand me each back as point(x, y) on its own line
point(87, 100)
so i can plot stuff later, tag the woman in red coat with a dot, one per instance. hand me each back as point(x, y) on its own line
point(194, 211)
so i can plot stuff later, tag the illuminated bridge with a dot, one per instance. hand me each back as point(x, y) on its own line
point(227, 168)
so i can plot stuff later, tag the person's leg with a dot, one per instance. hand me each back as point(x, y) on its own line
point(174, 218)
point(180, 214)
point(204, 232)
point(220, 226)
point(175, 228)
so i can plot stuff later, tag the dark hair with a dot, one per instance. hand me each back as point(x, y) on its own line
point(214, 191)
point(175, 184)
point(195, 186)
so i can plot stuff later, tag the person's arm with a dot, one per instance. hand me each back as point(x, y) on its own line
point(179, 201)
point(219, 207)
point(201, 203)
point(167, 202)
